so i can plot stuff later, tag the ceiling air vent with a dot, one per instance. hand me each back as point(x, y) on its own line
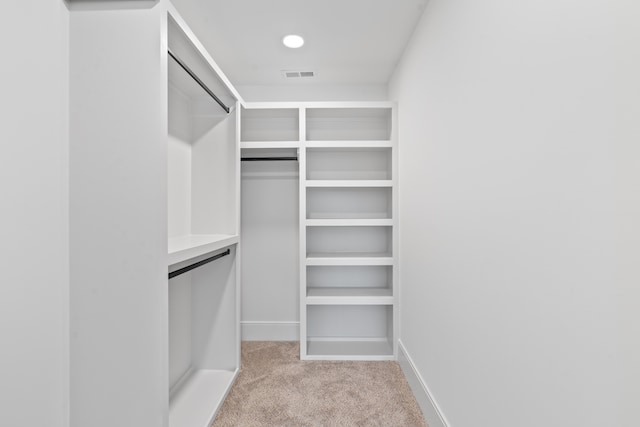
point(298, 74)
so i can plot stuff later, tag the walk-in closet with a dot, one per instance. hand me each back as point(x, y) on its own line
point(250, 213)
point(294, 203)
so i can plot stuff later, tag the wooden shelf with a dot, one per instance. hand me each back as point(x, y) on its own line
point(184, 248)
point(198, 398)
point(335, 183)
point(339, 349)
point(372, 222)
point(349, 296)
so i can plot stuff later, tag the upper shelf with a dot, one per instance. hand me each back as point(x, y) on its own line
point(366, 125)
point(348, 124)
point(184, 248)
point(270, 125)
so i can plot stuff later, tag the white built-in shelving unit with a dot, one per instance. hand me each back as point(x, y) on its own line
point(203, 223)
point(348, 220)
point(155, 168)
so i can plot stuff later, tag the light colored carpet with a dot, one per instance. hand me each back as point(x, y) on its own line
point(275, 388)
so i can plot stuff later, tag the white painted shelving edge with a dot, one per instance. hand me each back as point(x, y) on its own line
point(184, 248)
point(269, 144)
point(349, 144)
point(347, 222)
point(334, 183)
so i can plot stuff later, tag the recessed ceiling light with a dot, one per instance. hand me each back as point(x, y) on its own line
point(293, 41)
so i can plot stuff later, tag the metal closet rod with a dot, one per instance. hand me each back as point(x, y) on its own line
point(200, 82)
point(268, 159)
point(198, 264)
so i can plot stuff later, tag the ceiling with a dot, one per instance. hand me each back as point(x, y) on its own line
point(347, 42)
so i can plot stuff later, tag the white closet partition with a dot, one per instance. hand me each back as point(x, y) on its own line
point(154, 174)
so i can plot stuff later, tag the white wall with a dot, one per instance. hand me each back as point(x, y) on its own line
point(34, 244)
point(519, 206)
point(627, 155)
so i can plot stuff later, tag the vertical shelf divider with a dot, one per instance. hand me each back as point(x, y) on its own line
point(302, 165)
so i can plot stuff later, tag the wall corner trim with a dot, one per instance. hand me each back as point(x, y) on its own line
point(430, 409)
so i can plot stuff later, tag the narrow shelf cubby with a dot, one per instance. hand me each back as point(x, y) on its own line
point(350, 332)
point(349, 241)
point(348, 232)
point(349, 203)
point(349, 164)
point(348, 124)
point(269, 125)
point(349, 285)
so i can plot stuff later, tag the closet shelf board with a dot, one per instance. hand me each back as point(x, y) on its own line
point(349, 222)
point(318, 104)
point(348, 144)
point(336, 183)
point(197, 400)
point(184, 248)
point(341, 349)
point(270, 144)
point(349, 258)
point(349, 296)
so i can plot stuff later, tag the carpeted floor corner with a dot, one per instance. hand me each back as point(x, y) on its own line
point(275, 388)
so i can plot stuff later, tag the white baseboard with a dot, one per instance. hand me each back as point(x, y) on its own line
point(270, 331)
point(430, 409)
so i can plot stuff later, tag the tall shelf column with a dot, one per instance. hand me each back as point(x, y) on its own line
point(348, 233)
